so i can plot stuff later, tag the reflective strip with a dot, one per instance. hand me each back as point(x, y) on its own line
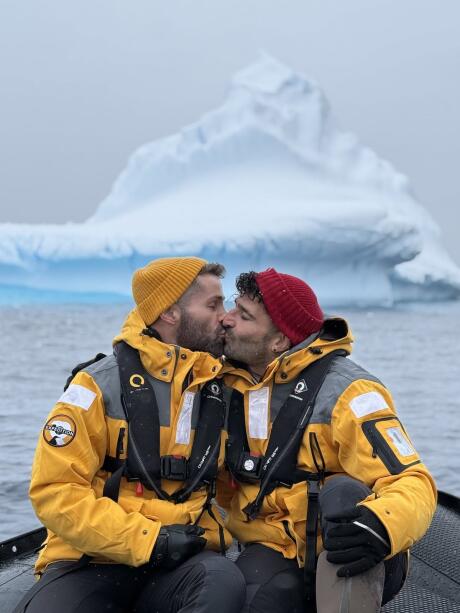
point(184, 423)
point(258, 413)
point(364, 527)
point(78, 396)
point(370, 402)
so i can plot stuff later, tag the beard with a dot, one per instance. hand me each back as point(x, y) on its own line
point(248, 351)
point(196, 336)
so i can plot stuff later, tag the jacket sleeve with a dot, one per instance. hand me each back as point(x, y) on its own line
point(373, 446)
point(70, 451)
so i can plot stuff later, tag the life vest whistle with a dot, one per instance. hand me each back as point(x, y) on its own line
point(139, 489)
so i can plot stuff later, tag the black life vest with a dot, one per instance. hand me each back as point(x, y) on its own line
point(143, 462)
point(279, 466)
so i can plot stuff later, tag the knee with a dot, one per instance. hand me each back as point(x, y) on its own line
point(340, 492)
point(228, 572)
point(223, 585)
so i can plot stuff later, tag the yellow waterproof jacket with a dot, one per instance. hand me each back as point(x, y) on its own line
point(352, 411)
point(85, 425)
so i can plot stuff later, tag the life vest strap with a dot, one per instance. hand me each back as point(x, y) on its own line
point(311, 536)
point(279, 465)
point(143, 462)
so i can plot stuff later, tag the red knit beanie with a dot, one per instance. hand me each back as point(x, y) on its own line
point(291, 304)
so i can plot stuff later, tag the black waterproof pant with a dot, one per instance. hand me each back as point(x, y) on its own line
point(276, 585)
point(206, 583)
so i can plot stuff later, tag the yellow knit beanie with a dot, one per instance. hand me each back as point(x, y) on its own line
point(161, 283)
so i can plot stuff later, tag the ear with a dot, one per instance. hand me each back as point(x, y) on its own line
point(280, 343)
point(171, 316)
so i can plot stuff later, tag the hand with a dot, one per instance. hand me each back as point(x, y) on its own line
point(359, 541)
point(175, 544)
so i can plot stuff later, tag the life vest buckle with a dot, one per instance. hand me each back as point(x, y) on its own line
point(174, 468)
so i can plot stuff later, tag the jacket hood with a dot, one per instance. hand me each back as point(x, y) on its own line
point(131, 330)
point(335, 334)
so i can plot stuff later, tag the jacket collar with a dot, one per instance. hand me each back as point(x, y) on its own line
point(335, 334)
point(161, 359)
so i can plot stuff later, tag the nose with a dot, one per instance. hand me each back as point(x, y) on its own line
point(222, 313)
point(229, 319)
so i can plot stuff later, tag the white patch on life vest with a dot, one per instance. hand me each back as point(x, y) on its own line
point(258, 413)
point(400, 441)
point(368, 403)
point(184, 423)
point(78, 395)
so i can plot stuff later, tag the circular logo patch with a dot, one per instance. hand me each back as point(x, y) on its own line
point(300, 387)
point(249, 465)
point(59, 431)
point(136, 380)
point(215, 389)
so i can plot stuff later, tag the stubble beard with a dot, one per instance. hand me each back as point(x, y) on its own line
point(195, 335)
point(246, 351)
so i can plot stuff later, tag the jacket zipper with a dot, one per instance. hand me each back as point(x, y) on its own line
point(375, 445)
point(288, 531)
point(119, 449)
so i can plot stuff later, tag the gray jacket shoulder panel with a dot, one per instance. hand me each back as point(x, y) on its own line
point(105, 374)
point(342, 373)
point(106, 377)
point(106, 363)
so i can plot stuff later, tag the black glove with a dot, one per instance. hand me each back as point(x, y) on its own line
point(359, 540)
point(175, 544)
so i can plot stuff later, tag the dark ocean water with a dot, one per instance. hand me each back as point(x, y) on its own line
point(413, 350)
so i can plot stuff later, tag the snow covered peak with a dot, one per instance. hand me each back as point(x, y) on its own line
point(267, 76)
point(267, 101)
point(266, 179)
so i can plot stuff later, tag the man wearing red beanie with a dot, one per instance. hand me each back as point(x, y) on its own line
point(318, 460)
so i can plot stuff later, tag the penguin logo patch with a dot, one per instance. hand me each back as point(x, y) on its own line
point(300, 387)
point(59, 431)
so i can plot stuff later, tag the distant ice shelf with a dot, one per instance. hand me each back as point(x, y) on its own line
point(267, 179)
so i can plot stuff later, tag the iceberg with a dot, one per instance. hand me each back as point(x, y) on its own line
point(266, 179)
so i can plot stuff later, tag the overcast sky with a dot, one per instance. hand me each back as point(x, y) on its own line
point(84, 83)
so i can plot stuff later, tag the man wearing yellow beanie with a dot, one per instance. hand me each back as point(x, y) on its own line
point(125, 467)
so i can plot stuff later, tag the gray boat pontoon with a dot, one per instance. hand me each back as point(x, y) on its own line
point(433, 584)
